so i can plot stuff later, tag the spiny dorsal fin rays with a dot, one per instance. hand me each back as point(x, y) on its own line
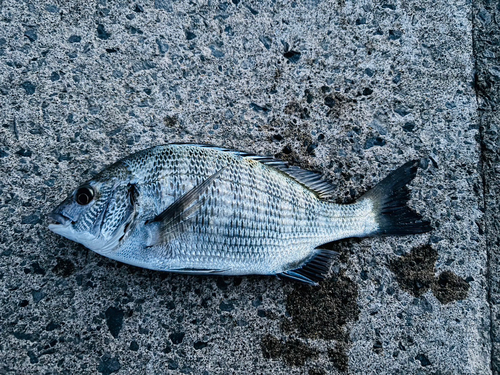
point(312, 180)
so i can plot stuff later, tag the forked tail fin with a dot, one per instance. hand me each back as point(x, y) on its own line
point(389, 198)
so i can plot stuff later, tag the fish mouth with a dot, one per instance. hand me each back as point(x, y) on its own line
point(60, 219)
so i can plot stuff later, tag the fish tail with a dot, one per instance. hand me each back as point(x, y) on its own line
point(389, 200)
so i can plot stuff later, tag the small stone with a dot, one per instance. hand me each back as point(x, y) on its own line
point(258, 108)
point(51, 8)
point(114, 320)
point(134, 346)
point(266, 41)
point(401, 111)
point(108, 365)
point(292, 56)
point(55, 76)
point(162, 46)
point(216, 52)
point(24, 152)
point(52, 326)
point(226, 306)
point(310, 149)
point(409, 127)
point(172, 365)
point(330, 102)
point(377, 347)
point(394, 34)
point(176, 337)
point(367, 91)
point(37, 269)
point(102, 33)
point(190, 35)
point(37, 295)
point(75, 39)
point(164, 5)
point(28, 87)
point(31, 35)
point(424, 361)
point(277, 137)
point(252, 10)
point(32, 219)
point(375, 141)
point(24, 336)
point(32, 356)
point(200, 345)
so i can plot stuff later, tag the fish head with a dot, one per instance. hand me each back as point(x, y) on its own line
point(97, 214)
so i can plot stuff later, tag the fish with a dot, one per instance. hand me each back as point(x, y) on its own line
point(206, 210)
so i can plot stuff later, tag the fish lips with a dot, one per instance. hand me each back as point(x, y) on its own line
point(60, 218)
point(62, 223)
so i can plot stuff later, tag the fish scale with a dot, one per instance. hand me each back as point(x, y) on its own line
point(265, 212)
point(201, 209)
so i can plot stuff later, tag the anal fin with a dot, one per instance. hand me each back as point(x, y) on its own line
point(315, 269)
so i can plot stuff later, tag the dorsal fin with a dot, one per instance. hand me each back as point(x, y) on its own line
point(311, 180)
point(315, 269)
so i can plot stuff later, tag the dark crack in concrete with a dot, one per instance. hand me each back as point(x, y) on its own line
point(486, 38)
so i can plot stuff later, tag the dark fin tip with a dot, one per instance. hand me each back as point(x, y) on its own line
point(314, 269)
point(390, 197)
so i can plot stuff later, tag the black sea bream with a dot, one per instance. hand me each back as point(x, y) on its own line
point(205, 210)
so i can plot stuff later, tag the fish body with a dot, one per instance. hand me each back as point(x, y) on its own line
point(207, 210)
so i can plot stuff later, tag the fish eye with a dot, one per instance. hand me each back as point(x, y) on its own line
point(84, 195)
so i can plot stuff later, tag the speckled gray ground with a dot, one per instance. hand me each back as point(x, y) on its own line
point(351, 89)
point(487, 49)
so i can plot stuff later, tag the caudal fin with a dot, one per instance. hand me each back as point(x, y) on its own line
point(389, 198)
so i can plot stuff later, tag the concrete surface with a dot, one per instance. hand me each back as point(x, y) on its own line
point(487, 49)
point(350, 89)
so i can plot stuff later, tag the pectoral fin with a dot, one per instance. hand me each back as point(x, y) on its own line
point(170, 221)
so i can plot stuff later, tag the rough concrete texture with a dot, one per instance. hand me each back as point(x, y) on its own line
point(350, 89)
point(487, 50)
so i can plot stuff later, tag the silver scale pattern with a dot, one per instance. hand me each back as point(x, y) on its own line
point(253, 217)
